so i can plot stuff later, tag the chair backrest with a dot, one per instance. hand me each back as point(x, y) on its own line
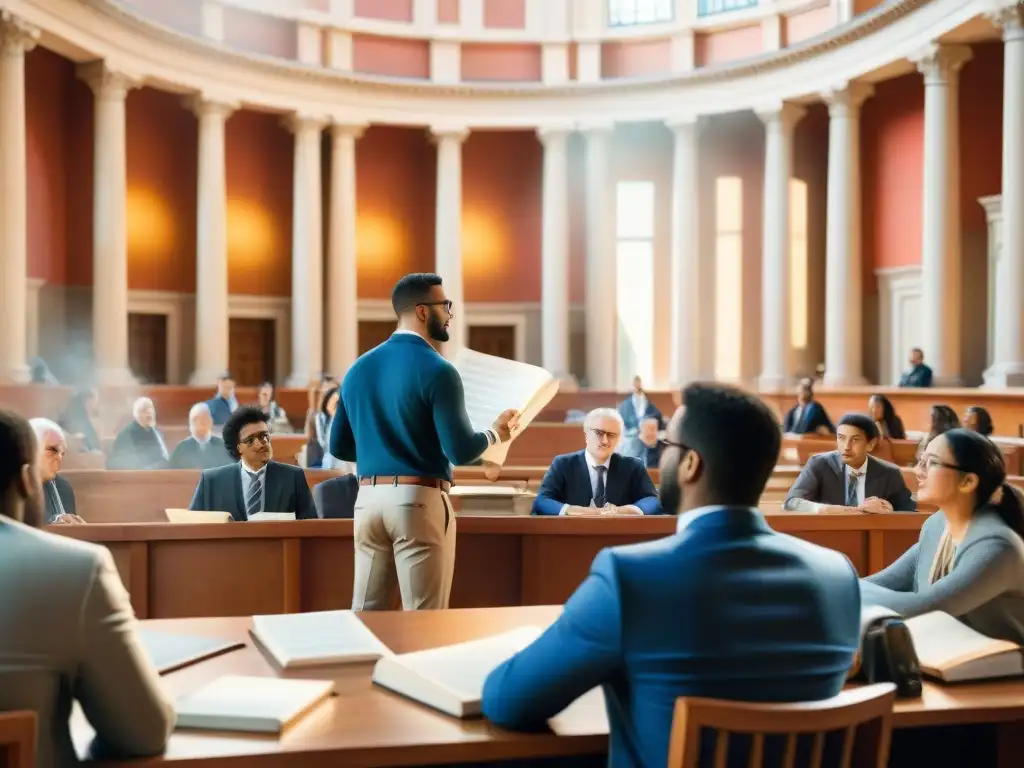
point(862, 717)
point(18, 739)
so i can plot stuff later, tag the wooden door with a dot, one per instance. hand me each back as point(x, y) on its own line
point(374, 332)
point(252, 350)
point(497, 340)
point(147, 347)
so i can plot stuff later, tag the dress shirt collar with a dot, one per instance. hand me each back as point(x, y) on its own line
point(592, 462)
point(258, 472)
point(687, 519)
point(861, 470)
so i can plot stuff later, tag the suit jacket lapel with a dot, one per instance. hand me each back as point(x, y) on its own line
point(874, 481)
point(582, 478)
point(272, 490)
point(239, 513)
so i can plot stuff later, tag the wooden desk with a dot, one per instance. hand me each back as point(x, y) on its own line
point(244, 569)
point(367, 726)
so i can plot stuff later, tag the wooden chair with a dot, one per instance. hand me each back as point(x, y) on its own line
point(18, 739)
point(864, 715)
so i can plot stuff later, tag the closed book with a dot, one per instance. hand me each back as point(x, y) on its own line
point(270, 517)
point(169, 651)
point(953, 652)
point(257, 704)
point(451, 678)
point(317, 638)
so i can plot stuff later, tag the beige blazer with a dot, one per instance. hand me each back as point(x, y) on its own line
point(67, 631)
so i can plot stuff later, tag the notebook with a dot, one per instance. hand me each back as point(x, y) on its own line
point(170, 651)
point(317, 638)
point(953, 652)
point(257, 704)
point(270, 517)
point(191, 516)
point(451, 678)
point(493, 384)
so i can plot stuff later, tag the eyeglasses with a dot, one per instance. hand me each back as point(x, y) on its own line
point(600, 434)
point(929, 462)
point(447, 304)
point(56, 452)
point(263, 437)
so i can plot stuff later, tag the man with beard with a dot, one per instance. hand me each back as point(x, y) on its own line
point(726, 608)
point(67, 630)
point(402, 418)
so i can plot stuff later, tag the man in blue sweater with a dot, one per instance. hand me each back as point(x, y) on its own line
point(402, 418)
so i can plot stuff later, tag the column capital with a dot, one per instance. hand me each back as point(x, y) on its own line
point(455, 133)
point(107, 83)
point(682, 121)
point(845, 99)
point(341, 129)
point(1008, 16)
point(784, 112)
point(302, 122)
point(206, 105)
point(553, 133)
point(940, 63)
point(594, 128)
point(17, 37)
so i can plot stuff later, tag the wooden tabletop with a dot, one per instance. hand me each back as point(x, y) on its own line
point(364, 725)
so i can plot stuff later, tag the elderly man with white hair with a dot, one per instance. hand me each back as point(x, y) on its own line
point(140, 444)
point(58, 495)
point(596, 480)
point(203, 450)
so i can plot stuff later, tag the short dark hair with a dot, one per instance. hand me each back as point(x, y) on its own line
point(17, 448)
point(412, 289)
point(225, 376)
point(861, 421)
point(232, 432)
point(736, 435)
point(985, 425)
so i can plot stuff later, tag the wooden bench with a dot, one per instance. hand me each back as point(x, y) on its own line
point(18, 739)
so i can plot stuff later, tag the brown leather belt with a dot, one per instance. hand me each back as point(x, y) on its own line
point(426, 482)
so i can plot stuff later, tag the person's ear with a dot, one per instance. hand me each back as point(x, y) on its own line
point(969, 483)
point(872, 444)
point(690, 467)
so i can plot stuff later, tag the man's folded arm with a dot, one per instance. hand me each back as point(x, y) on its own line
point(805, 491)
point(550, 495)
point(648, 502)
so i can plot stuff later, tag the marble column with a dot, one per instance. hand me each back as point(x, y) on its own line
point(555, 253)
point(343, 298)
point(843, 292)
point(780, 122)
point(448, 229)
point(16, 39)
point(110, 225)
point(940, 235)
point(1007, 369)
point(212, 336)
point(601, 316)
point(307, 251)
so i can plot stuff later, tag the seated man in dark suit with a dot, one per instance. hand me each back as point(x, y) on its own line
point(203, 450)
point(336, 498)
point(597, 480)
point(650, 445)
point(635, 408)
point(58, 495)
point(807, 416)
point(140, 444)
point(849, 480)
point(224, 403)
point(919, 375)
point(256, 483)
point(725, 608)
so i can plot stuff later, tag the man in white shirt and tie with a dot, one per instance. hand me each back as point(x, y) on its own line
point(58, 495)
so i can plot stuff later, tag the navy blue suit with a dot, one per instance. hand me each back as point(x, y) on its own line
point(726, 609)
point(630, 421)
point(812, 417)
point(567, 481)
point(286, 489)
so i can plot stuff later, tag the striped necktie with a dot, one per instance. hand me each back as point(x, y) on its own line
point(851, 489)
point(255, 499)
point(599, 492)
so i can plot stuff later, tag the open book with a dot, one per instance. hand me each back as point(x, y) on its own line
point(493, 384)
point(953, 652)
point(451, 678)
point(317, 638)
point(259, 704)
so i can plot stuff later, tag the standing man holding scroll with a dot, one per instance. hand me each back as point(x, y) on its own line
point(402, 418)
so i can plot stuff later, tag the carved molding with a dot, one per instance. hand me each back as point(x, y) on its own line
point(17, 37)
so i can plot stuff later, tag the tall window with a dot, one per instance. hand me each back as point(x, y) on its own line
point(798, 263)
point(713, 7)
point(627, 13)
point(728, 276)
point(634, 254)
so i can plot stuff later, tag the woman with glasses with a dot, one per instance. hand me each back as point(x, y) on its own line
point(969, 560)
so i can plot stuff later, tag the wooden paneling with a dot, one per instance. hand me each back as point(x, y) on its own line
point(252, 350)
point(374, 332)
point(497, 340)
point(147, 347)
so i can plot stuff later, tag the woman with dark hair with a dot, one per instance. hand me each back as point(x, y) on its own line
point(977, 419)
point(943, 419)
point(969, 559)
point(81, 418)
point(889, 425)
point(318, 430)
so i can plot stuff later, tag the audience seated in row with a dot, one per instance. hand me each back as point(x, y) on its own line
point(203, 449)
point(808, 416)
point(636, 408)
point(139, 445)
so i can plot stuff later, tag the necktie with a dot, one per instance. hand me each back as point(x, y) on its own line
point(851, 490)
point(254, 502)
point(54, 506)
point(599, 494)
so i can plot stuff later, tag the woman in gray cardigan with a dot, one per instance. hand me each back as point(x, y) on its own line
point(969, 560)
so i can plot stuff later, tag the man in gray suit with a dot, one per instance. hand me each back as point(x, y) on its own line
point(849, 480)
point(67, 630)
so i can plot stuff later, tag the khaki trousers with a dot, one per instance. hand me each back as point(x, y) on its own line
point(404, 542)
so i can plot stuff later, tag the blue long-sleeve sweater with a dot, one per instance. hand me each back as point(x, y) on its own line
point(402, 411)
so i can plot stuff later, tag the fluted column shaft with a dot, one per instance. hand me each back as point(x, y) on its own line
point(110, 221)
point(448, 229)
point(843, 269)
point(602, 326)
point(555, 253)
point(940, 234)
point(307, 252)
point(342, 275)
point(16, 39)
point(1007, 368)
point(780, 122)
point(212, 335)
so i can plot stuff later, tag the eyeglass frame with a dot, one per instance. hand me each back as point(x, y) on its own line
point(447, 304)
point(263, 437)
point(928, 461)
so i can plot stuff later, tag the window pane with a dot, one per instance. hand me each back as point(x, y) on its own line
point(728, 204)
point(629, 12)
point(634, 209)
point(798, 262)
point(633, 289)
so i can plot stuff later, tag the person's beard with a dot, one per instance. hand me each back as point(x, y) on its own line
point(436, 329)
point(670, 492)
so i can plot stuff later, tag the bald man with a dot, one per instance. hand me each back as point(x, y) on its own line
point(139, 445)
point(58, 495)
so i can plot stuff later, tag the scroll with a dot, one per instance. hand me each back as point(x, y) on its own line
point(491, 385)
